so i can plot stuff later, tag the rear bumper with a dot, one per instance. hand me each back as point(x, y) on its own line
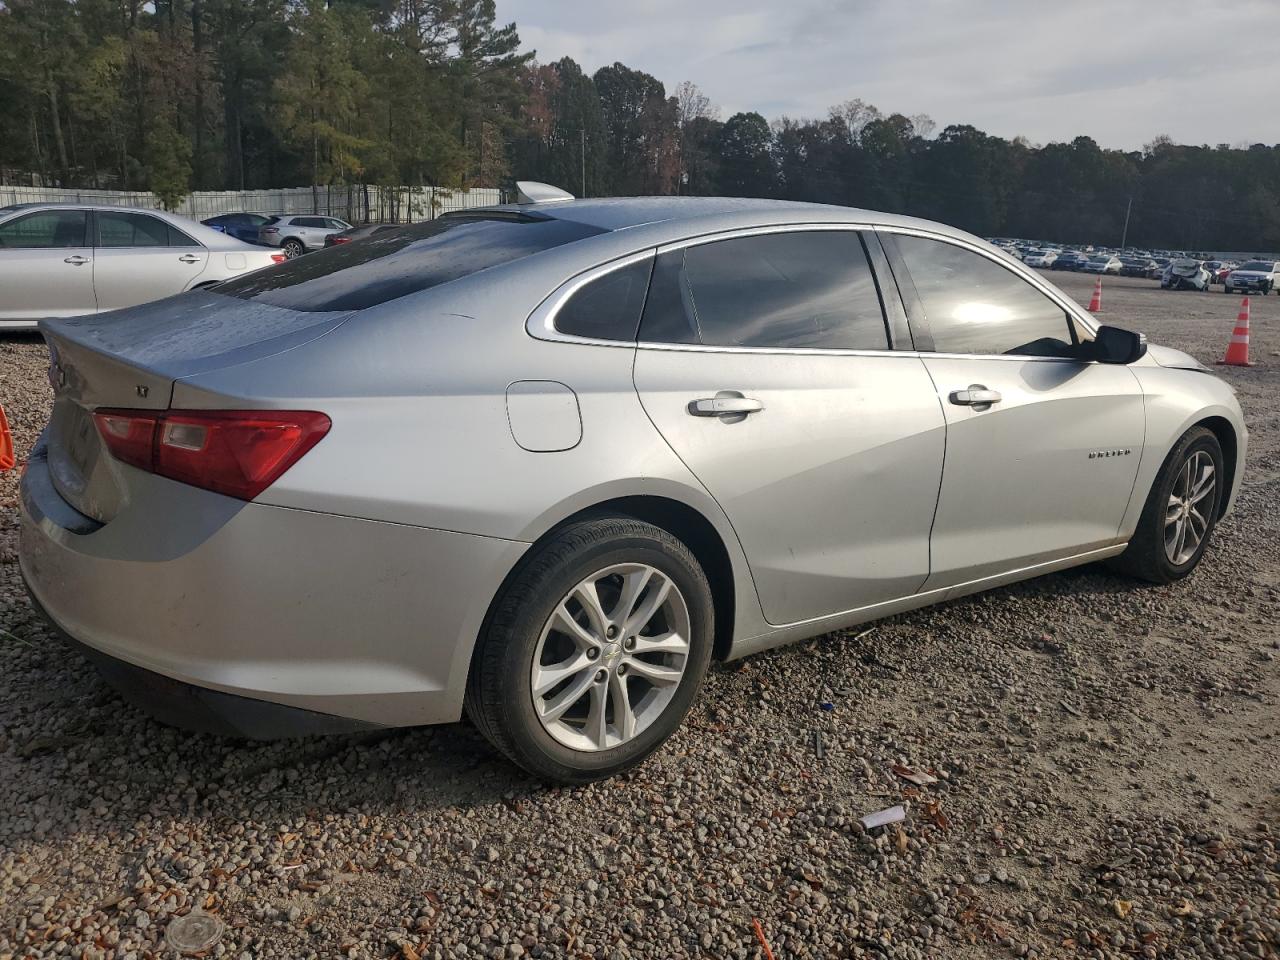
point(351, 619)
point(203, 710)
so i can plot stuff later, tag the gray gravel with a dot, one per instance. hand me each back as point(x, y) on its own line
point(1105, 755)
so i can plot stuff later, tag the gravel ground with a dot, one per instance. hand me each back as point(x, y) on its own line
point(1105, 753)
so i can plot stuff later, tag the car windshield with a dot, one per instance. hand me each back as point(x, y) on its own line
point(1100, 259)
point(1261, 266)
point(400, 262)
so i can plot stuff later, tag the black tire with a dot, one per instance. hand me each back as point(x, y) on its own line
point(292, 248)
point(499, 697)
point(1145, 557)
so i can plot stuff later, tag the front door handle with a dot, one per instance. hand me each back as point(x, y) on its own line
point(977, 395)
point(725, 406)
point(76, 260)
point(190, 258)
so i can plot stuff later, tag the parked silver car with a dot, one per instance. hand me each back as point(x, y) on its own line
point(541, 463)
point(295, 235)
point(63, 260)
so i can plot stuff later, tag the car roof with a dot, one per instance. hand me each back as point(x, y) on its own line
point(698, 213)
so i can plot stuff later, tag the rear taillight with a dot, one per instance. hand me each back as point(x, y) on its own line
point(278, 258)
point(238, 453)
point(337, 240)
point(270, 229)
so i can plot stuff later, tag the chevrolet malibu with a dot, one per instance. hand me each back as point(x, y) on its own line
point(539, 464)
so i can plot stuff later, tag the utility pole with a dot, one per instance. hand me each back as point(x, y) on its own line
point(584, 162)
point(1125, 237)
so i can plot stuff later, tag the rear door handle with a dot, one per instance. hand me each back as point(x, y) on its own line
point(77, 260)
point(190, 258)
point(976, 395)
point(724, 406)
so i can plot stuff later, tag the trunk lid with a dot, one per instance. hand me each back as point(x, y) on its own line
point(132, 358)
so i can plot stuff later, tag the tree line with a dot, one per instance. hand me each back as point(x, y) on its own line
point(181, 95)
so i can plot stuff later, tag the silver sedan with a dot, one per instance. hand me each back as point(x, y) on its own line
point(540, 464)
point(63, 260)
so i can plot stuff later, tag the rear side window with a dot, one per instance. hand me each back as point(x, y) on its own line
point(48, 228)
point(390, 265)
point(975, 305)
point(138, 230)
point(607, 308)
point(803, 289)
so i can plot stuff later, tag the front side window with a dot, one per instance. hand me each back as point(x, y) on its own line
point(352, 276)
point(790, 290)
point(975, 305)
point(608, 307)
point(48, 228)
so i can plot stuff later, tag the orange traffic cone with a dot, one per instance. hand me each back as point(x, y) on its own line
point(1096, 303)
point(1238, 348)
point(6, 444)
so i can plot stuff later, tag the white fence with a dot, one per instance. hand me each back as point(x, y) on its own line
point(355, 203)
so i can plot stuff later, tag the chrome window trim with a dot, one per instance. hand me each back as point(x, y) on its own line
point(541, 322)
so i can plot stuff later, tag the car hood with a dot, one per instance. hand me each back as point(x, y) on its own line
point(1174, 359)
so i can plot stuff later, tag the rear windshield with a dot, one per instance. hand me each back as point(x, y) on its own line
point(1260, 265)
point(400, 262)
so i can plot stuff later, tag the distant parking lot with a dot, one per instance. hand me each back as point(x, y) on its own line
point(1105, 756)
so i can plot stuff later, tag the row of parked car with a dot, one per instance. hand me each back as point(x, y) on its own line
point(1175, 271)
point(68, 259)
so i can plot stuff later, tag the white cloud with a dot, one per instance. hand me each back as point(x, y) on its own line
point(1121, 72)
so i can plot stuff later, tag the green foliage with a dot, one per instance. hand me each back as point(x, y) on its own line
point(175, 95)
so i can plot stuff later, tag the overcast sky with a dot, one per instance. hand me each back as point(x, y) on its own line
point(1120, 71)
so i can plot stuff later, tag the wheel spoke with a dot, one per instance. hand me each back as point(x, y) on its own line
point(546, 677)
point(633, 585)
point(1184, 478)
point(1204, 486)
point(663, 643)
point(1182, 536)
point(555, 708)
point(588, 595)
point(653, 602)
point(656, 674)
point(1198, 524)
point(598, 715)
point(624, 718)
point(563, 621)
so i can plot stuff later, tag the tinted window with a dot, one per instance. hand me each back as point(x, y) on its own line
point(353, 276)
point(48, 228)
point(137, 230)
point(974, 305)
point(790, 290)
point(607, 308)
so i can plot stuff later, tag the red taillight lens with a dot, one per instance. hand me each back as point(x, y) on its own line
point(270, 229)
point(238, 453)
point(338, 240)
point(130, 436)
point(278, 258)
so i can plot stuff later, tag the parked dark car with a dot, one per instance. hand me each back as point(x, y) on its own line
point(1069, 260)
point(359, 233)
point(242, 226)
point(1136, 267)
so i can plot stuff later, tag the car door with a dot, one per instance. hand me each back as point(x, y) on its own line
point(141, 258)
point(46, 265)
point(1041, 450)
point(310, 230)
point(765, 363)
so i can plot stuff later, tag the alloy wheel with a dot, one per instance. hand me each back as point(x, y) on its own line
point(1186, 518)
point(610, 657)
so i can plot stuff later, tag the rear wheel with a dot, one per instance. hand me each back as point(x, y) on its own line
point(1180, 512)
point(293, 249)
point(594, 651)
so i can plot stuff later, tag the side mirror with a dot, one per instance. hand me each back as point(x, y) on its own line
point(1113, 345)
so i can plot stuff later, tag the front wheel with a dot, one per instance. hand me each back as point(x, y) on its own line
point(594, 651)
point(1180, 512)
